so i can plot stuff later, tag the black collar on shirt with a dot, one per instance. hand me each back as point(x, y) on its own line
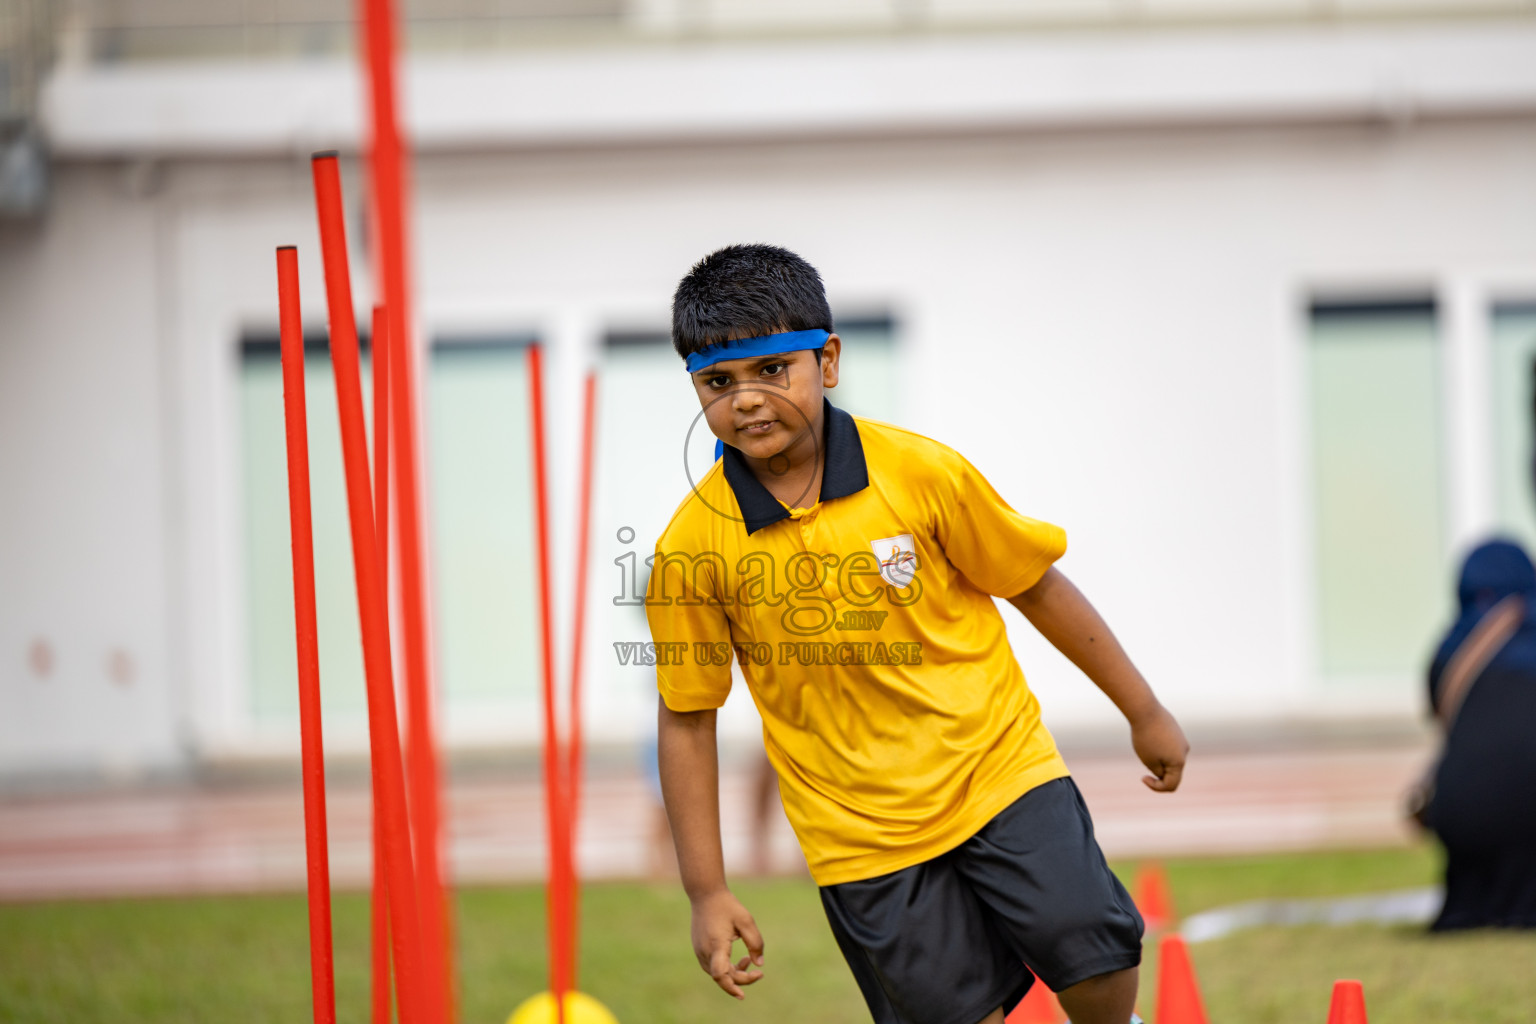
point(844, 473)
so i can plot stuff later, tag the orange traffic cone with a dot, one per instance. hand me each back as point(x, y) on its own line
point(1153, 897)
point(1039, 1006)
point(1178, 995)
point(1348, 1006)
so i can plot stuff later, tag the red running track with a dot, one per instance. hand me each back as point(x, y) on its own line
point(249, 837)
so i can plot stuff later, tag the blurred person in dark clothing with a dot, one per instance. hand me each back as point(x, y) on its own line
point(1482, 688)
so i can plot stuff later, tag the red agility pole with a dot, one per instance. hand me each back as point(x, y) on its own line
point(306, 633)
point(554, 768)
point(390, 175)
point(379, 347)
point(373, 611)
point(578, 633)
point(379, 905)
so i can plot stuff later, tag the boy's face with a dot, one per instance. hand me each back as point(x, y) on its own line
point(766, 405)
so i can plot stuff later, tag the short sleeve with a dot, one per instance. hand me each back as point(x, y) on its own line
point(690, 630)
point(1000, 551)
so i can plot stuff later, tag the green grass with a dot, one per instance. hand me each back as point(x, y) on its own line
point(1285, 975)
point(234, 960)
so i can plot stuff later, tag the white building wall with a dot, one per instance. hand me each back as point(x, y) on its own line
point(87, 535)
point(1109, 322)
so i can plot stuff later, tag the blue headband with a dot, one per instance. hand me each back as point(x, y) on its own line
point(748, 348)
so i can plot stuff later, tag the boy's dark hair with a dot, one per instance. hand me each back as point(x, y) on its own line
point(746, 291)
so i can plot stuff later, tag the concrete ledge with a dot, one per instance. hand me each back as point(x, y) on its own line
point(1391, 72)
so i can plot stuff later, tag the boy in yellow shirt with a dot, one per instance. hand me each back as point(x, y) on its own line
point(850, 567)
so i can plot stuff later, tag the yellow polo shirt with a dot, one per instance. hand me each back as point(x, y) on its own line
point(893, 708)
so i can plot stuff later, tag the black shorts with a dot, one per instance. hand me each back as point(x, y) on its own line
point(947, 941)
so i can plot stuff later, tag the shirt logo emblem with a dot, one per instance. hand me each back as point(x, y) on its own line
point(898, 559)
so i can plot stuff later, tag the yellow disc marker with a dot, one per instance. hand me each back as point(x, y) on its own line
point(580, 1008)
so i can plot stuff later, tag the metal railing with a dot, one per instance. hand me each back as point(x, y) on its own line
point(133, 30)
point(127, 30)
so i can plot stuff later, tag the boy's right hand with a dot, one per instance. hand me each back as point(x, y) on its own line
point(1160, 743)
point(719, 920)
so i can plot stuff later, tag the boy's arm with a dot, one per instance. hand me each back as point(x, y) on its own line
point(1064, 617)
point(690, 786)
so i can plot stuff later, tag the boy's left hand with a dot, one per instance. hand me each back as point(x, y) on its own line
point(1160, 743)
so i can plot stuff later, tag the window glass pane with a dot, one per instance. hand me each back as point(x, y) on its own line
point(1377, 486)
point(649, 414)
point(272, 660)
point(647, 410)
point(1514, 369)
point(482, 518)
point(867, 379)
